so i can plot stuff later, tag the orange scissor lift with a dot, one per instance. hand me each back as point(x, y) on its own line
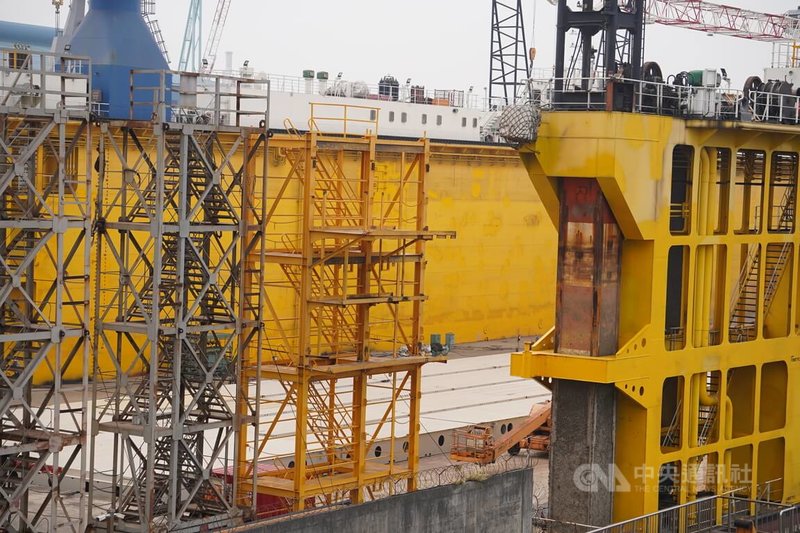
point(477, 444)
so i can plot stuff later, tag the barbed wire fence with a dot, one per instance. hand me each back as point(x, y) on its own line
point(452, 474)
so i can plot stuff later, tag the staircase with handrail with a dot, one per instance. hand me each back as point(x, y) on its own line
point(744, 302)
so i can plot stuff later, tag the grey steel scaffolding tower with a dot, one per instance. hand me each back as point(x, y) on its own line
point(509, 63)
point(180, 221)
point(45, 219)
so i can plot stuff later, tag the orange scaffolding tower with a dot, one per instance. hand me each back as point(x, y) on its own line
point(337, 382)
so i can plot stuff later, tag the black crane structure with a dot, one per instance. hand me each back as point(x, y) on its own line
point(610, 43)
point(509, 61)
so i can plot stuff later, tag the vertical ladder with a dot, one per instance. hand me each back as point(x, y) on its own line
point(149, 9)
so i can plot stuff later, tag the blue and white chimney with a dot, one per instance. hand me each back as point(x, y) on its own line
point(116, 37)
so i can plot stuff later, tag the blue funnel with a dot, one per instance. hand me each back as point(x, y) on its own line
point(116, 37)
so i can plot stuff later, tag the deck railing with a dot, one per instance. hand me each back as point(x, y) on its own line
point(44, 82)
point(344, 119)
point(658, 98)
point(203, 99)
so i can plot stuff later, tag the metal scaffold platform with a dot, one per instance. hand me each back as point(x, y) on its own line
point(179, 221)
point(45, 221)
point(213, 353)
point(344, 297)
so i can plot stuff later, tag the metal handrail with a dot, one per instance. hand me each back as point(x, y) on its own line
point(680, 211)
point(343, 114)
point(621, 526)
point(784, 218)
point(653, 97)
point(744, 275)
point(406, 93)
point(765, 489)
point(775, 277)
point(678, 514)
point(789, 520)
point(45, 81)
point(649, 96)
point(675, 338)
point(203, 99)
point(674, 427)
point(769, 107)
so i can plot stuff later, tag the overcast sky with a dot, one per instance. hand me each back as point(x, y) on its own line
point(438, 43)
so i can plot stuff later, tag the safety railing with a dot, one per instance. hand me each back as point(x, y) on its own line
point(776, 272)
point(708, 514)
point(544, 525)
point(679, 214)
point(711, 337)
point(44, 82)
point(787, 54)
point(640, 96)
point(675, 338)
point(789, 520)
point(770, 490)
point(671, 436)
point(753, 255)
point(192, 98)
point(651, 97)
point(772, 107)
point(407, 92)
point(693, 517)
point(764, 515)
point(344, 119)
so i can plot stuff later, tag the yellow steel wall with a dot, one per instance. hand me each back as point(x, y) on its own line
point(495, 280)
point(631, 157)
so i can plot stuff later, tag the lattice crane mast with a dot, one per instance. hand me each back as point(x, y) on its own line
point(218, 24)
point(192, 38)
point(724, 20)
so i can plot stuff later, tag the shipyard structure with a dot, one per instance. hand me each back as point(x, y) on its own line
point(208, 320)
point(218, 298)
point(673, 357)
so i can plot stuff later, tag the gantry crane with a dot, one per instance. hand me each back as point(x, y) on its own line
point(595, 42)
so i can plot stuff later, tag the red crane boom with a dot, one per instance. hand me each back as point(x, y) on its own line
point(723, 20)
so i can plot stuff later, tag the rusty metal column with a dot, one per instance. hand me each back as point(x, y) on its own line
point(589, 259)
point(587, 323)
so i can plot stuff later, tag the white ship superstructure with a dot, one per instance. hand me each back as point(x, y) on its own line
point(398, 110)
